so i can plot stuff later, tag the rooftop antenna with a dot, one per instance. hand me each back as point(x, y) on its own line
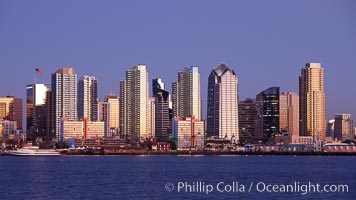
point(111, 90)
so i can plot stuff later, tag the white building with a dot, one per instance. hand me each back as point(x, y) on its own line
point(64, 87)
point(222, 118)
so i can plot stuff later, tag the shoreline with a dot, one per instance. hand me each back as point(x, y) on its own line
point(208, 153)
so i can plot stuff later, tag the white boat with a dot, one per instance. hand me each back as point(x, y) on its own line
point(32, 151)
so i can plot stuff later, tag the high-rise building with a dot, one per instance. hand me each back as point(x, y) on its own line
point(88, 98)
point(343, 127)
point(151, 114)
point(186, 93)
point(123, 110)
point(175, 100)
point(113, 121)
point(312, 101)
point(162, 121)
point(136, 103)
point(51, 115)
point(247, 115)
point(289, 113)
point(267, 118)
point(64, 87)
point(36, 111)
point(11, 109)
point(222, 118)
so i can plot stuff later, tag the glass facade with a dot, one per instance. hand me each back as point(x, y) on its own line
point(247, 115)
point(267, 118)
point(36, 111)
point(222, 118)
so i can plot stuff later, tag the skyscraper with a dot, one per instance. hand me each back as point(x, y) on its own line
point(186, 93)
point(64, 87)
point(162, 122)
point(123, 110)
point(135, 99)
point(289, 113)
point(247, 115)
point(88, 98)
point(312, 101)
point(51, 115)
point(343, 127)
point(267, 118)
point(11, 109)
point(222, 118)
point(36, 111)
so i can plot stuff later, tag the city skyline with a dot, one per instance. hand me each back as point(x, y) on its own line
point(269, 38)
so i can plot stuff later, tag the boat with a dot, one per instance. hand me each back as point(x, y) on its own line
point(32, 151)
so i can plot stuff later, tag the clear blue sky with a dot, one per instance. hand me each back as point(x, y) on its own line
point(265, 42)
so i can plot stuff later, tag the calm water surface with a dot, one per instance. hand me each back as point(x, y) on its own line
point(146, 177)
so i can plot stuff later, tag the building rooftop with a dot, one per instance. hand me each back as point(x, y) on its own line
point(222, 68)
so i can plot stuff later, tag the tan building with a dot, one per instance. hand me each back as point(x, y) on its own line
point(72, 129)
point(135, 101)
point(83, 129)
point(289, 113)
point(312, 101)
point(11, 109)
point(7, 128)
point(188, 132)
point(113, 116)
point(186, 93)
point(94, 129)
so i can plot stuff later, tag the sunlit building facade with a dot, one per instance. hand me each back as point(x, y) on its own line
point(64, 87)
point(312, 101)
point(112, 115)
point(151, 113)
point(36, 111)
point(222, 116)
point(11, 109)
point(88, 98)
point(82, 129)
point(186, 93)
point(136, 103)
point(188, 132)
point(289, 113)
